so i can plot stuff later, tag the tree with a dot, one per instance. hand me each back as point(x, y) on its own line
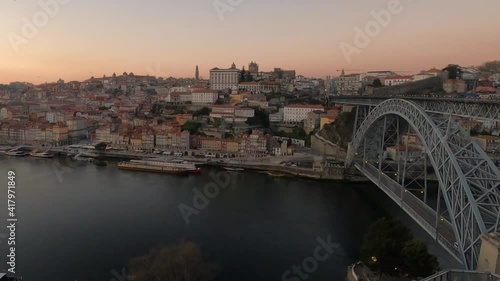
point(261, 117)
point(243, 75)
point(377, 83)
point(192, 127)
point(202, 112)
point(383, 243)
point(182, 262)
point(248, 77)
point(491, 66)
point(454, 71)
point(217, 122)
point(157, 110)
point(179, 110)
point(101, 146)
point(417, 261)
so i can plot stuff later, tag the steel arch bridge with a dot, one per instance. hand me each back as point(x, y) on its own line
point(469, 182)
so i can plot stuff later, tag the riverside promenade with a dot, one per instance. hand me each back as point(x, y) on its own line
point(299, 165)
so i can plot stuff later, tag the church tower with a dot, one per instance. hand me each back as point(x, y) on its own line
point(197, 74)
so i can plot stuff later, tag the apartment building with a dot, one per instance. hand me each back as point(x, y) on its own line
point(297, 113)
point(232, 113)
point(173, 138)
point(255, 144)
point(397, 80)
point(455, 86)
point(205, 96)
point(277, 117)
point(259, 87)
point(77, 127)
point(179, 97)
point(348, 85)
point(313, 120)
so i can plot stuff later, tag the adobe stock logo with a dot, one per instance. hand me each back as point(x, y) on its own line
point(224, 6)
point(363, 37)
point(30, 27)
point(201, 198)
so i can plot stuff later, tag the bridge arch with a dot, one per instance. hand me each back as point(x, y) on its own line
point(468, 180)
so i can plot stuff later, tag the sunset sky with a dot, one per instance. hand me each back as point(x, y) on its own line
point(92, 38)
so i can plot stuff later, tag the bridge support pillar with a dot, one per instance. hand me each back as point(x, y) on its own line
point(489, 256)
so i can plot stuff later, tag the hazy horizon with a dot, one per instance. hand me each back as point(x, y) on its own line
point(92, 38)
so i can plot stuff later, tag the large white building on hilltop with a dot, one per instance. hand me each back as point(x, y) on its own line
point(397, 80)
point(223, 79)
point(297, 113)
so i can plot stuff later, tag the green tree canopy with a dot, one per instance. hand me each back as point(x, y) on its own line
point(157, 109)
point(491, 66)
point(182, 262)
point(389, 245)
point(377, 83)
point(417, 261)
point(151, 91)
point(205, 111)
point(217, 122)
point(243, 75)
point(192, 127)
point(101, 146)
point(383, 243)
point(454, 71)
point(261, 117)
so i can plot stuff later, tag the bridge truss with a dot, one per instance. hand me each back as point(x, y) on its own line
point(468, 200)
point(470, 108)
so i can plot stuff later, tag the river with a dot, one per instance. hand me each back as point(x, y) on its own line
point(79, 221)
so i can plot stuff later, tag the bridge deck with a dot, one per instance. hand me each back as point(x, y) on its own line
point(424, 215)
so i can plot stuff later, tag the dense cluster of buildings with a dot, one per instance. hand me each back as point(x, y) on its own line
point(122, 110)
point(470, 81)
point(142, 112)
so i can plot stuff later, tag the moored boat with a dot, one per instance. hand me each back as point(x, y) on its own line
point(275, 174)
point(145, 167)
point(81, 158)
point(4, 149)
point(188, 166)
point(233, 169)
point(17, 153)
point(43, 154)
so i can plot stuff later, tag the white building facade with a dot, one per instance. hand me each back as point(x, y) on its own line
point(223, 79)
point(297, 113)
point(397, 80)
point(205, 96)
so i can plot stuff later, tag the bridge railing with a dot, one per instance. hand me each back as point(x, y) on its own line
point(431, 229)
point(395, 191)
point(451, 248)
point(462, 275)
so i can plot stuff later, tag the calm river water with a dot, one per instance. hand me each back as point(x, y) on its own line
point(79, 221)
